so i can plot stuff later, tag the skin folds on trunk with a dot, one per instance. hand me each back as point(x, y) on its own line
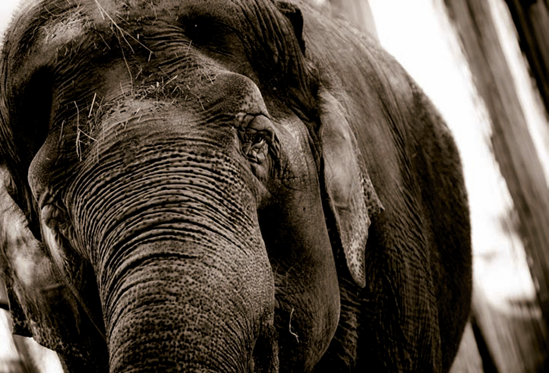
point(169, 312)
point(183, 273)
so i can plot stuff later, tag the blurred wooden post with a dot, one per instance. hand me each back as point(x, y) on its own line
point(358, 13)
point(512, 144)
point(468, 357)
point(510, 336)
point(531, 20)
point(4, 304)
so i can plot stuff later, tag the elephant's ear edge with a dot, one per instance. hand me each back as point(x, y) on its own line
point(40, 303)
point(351, 196)
point(19, 319)
point(294, 15)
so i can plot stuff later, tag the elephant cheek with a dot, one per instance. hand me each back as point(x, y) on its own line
point(307, 288)
point(172, 305)
point(307, 316)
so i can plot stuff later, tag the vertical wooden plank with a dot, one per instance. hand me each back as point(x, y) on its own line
point(512, 333)
point(4, 304)
point(519, 164)
point(468, 359)
point(531, 20)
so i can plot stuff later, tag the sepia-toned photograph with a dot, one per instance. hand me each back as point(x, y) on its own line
point(274, 186)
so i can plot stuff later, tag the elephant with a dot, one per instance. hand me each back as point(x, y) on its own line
point(225, 186)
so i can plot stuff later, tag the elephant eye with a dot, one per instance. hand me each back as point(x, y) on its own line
point(256, 151)
point(258, 140)
point(195, 31)
point(204, 31)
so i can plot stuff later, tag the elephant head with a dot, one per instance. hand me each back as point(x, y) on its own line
point(179, 182)
point(195, 186)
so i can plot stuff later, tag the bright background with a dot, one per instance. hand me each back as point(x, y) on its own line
point(418, 37)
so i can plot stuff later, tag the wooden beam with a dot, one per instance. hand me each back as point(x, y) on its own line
point(531, 20)
point(4, 303)
point(511, 142)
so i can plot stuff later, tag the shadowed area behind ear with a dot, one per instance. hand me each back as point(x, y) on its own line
point(293, 13)
point(351, 195)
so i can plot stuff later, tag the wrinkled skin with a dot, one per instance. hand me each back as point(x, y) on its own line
point(225, 186)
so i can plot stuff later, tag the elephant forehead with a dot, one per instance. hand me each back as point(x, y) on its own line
point(143, 121)
point(170, 8)
point(64, 29)
point(67, 20)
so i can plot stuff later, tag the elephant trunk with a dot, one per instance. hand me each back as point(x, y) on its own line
point(182, 269)
point(173, 306)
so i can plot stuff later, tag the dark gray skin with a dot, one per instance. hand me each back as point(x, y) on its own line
point(225, 186)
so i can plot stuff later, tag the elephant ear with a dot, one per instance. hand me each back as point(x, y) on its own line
point(29, 275)
point(351, 195)
point(294, 15)
point(15, 238)
point(41, 303)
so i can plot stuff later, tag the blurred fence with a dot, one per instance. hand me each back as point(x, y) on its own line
point(517, 341)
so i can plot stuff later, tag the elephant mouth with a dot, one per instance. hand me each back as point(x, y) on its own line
point(265, 353)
